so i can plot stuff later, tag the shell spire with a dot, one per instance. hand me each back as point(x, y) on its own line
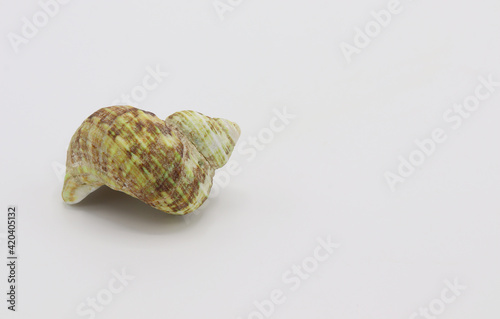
point(167, 164)
point(213, 138)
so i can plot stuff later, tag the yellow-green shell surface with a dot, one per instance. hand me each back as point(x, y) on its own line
point(166, 164)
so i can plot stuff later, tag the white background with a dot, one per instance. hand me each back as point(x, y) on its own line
point(322, 175)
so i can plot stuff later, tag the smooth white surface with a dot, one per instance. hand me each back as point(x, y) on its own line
point(322, 175)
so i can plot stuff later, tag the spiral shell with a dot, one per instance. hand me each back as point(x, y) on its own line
point(167, 164)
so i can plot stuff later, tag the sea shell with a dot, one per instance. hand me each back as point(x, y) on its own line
point(167, 164)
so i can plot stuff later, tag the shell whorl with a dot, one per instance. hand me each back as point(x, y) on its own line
point(166, 164)
point(213, 138)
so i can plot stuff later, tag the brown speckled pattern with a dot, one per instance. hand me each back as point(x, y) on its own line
point(166, 164)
